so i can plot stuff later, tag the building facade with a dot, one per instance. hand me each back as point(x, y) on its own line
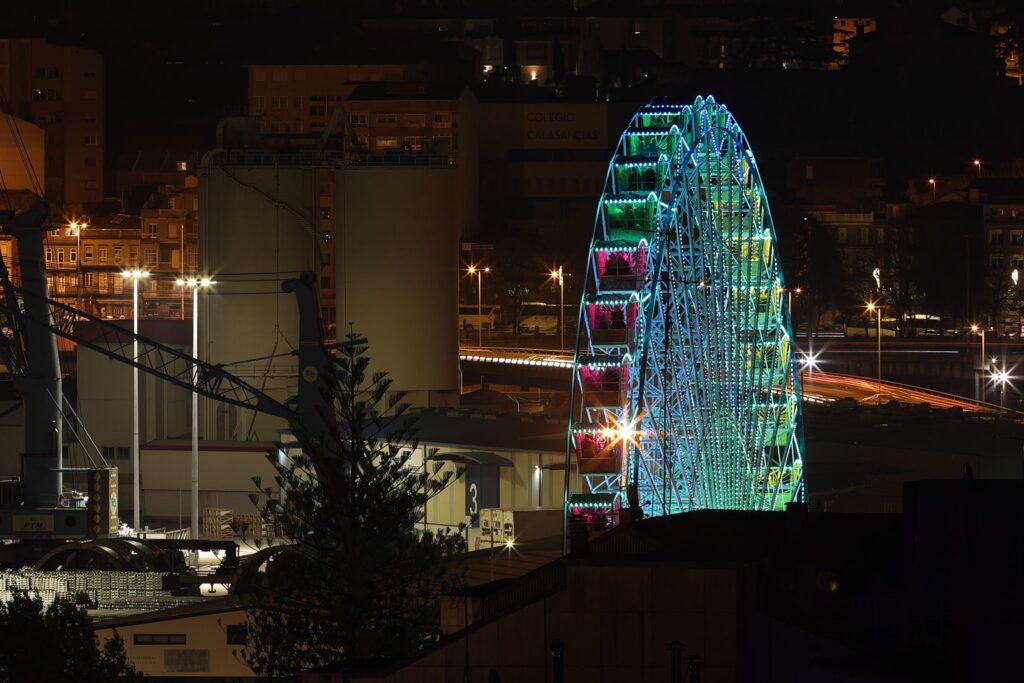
point(60, 88)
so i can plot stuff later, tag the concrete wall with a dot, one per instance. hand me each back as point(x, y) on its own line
point(256, 229)
point(205, 640)
point(225, 479)
point(397, 267)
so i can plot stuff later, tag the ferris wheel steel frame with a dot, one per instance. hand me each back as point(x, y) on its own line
point(685, 391)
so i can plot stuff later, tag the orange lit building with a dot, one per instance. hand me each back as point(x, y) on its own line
point(845, 28)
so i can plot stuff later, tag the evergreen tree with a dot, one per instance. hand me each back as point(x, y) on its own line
point(360, 580)
point(56, 644)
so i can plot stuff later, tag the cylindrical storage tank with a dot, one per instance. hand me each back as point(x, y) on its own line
point(258, 217)
point(396, 246)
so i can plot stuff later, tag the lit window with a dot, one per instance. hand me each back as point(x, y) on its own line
point(385, 143)
point(387, 119)
point(182, 165)
point(416, 120)
point(442, 119)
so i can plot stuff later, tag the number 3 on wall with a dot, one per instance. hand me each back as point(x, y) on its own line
point(472, 499)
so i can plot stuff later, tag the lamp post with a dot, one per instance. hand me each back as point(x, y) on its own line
point(875, 308)
point(931, 181)
point(135, 275)
point(976, 330)
point(479, 272)
point(195, 284)
point(76, 227)
point(977, 166)
point(557, 276)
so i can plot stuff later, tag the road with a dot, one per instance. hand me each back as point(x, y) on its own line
point(816, 386)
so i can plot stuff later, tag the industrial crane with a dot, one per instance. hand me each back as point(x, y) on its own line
point(33, 507)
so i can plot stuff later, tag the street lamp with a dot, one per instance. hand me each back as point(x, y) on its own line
point(931, 181)
point(479, 272)
point(557, 276)
point(76, 228)
point(195, 284)
point(976, 329)
point(977, 166)
point(135, 275)
point(872, 308)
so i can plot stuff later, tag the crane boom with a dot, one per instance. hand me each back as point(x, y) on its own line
point(154, 358)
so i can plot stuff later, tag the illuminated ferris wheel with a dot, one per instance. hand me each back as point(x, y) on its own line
point(685, 392)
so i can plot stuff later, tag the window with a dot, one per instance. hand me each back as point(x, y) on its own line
point(92, 185)
point(89, 117)
point(172, 231)
point(193, 258)
point(358, 118)
point(186, 661)
point(60, 257)
point(91, 140)
point(442, 119)
point(384, 143)
point(841, 234)
point(123, 452)
point(49, 255)
point(89, 95)
point(108, 453)
point(416, 120)
point(236, 634)
point(104, 283)
point(118, 253)
point(182, 165)
point(159, 638)
point(317, 110)
point(414, 143)
point(995, 237)
point(150, 257)
point(259, 104)
point(88, 251)
point(133, 254)
point(152, 229)
point(90, 162)
point(863, 235)
point(73, 255)
point(89, 74)
point(325, 213)
point(90, 280)
point(808, 172)
point(387, 119)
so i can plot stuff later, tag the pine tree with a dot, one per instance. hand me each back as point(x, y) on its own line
point(359, 581)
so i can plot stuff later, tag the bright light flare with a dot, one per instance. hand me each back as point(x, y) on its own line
point(195, 282)
point(809, 360)
point(134, 274)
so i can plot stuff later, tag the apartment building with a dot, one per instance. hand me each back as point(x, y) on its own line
point(86, 256)
point(60, 89)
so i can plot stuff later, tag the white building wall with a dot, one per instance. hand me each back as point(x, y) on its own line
point(257, 228)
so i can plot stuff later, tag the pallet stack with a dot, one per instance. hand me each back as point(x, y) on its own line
point(217, 523)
